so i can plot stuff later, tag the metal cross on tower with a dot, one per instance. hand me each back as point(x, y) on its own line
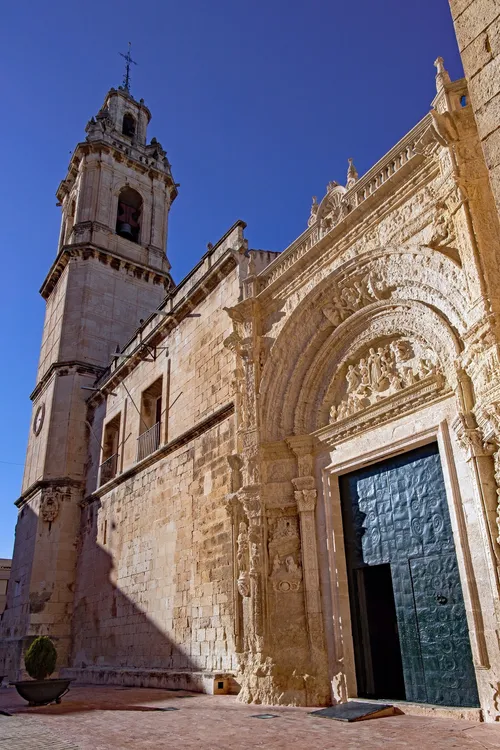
point(128, 60)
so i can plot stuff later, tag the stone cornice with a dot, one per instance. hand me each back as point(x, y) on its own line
point(119, 152)
point(334, 244)
point(223, 413)
point(42, 484)
point(87, 250)
point(82, 368)
point(412, 398)
point(135, 350)
point(366, 194)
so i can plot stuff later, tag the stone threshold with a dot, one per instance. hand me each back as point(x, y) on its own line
point(464, 713)
point(211, 683)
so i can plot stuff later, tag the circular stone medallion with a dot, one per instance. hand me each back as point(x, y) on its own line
point(38, 420)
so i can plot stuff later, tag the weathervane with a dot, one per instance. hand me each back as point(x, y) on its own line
point(128, 60)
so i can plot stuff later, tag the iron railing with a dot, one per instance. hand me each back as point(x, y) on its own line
point(148, 442)
point(108, 469)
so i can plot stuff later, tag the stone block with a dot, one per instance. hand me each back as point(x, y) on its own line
point(474, 19)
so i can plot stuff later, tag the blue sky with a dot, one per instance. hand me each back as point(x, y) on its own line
point(258, 105)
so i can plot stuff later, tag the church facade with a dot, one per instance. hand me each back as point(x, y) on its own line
point(280, 477)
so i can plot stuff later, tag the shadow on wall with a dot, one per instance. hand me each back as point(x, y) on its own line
point(113, 640)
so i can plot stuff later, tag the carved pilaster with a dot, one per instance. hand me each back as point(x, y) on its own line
point(306, 497)
point(479, 453)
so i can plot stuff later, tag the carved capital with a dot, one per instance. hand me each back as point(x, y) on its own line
point(303, 447)
point(304, 483)
point(488, 417)
point(306, 500)
point(249, 497)
point(470, 437)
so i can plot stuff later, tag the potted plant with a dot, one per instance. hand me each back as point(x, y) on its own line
point(40, 661)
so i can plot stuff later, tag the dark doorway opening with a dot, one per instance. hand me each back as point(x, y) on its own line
point(379, 667)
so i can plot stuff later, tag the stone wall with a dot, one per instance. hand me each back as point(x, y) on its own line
point(154, 575)
point(477, 25)
point(154, 596)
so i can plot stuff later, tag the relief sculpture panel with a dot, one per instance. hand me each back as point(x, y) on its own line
point(383, 372)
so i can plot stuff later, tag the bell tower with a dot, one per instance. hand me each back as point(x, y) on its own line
point(110, 271)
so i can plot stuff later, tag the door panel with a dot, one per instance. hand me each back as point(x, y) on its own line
point(444, 638)
point(396, 512)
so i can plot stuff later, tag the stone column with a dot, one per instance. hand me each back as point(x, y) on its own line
point(479, 457)
point(306, 496)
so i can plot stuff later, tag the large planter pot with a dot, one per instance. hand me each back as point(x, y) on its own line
point(41, 692)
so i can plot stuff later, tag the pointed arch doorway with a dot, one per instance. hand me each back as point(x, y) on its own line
point(409, 626)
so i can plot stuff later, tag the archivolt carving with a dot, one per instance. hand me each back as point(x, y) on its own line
point(431, 283)
point(372, 327)
point(353, 296)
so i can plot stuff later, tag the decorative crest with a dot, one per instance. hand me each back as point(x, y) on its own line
point(128, 61)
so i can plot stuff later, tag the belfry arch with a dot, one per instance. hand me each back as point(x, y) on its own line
point(129, 214)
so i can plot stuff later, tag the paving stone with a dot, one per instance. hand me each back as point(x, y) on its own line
point(107, 718)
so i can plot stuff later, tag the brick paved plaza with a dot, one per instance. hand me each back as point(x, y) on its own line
point(108, 718)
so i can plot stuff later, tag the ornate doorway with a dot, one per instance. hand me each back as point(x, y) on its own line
point(408, 617)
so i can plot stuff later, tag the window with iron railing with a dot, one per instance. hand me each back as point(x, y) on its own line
point(108, 469)
point(150, 422)
point(148, 442)
point(111, 438)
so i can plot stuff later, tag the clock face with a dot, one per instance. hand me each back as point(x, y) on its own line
point(38, 420)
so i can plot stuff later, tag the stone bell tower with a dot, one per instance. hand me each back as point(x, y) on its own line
point(109, 272)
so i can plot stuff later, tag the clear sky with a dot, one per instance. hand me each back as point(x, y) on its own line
point(258, 105)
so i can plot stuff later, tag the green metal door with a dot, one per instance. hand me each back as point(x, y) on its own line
point(395, 513)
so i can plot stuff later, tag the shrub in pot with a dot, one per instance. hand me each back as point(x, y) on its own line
point(40, 661)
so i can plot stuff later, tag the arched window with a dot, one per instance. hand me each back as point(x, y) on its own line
point(128, 218)
point(128, 125)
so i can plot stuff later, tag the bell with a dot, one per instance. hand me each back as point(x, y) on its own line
point(125, 229)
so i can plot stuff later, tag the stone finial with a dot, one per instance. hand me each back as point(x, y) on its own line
point(352, 174)
point(442, 75)
point(314, 211)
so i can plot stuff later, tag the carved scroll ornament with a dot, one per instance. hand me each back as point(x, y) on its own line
point(353, 296)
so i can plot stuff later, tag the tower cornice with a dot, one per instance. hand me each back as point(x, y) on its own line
point(143, 164)
point(88, 250)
